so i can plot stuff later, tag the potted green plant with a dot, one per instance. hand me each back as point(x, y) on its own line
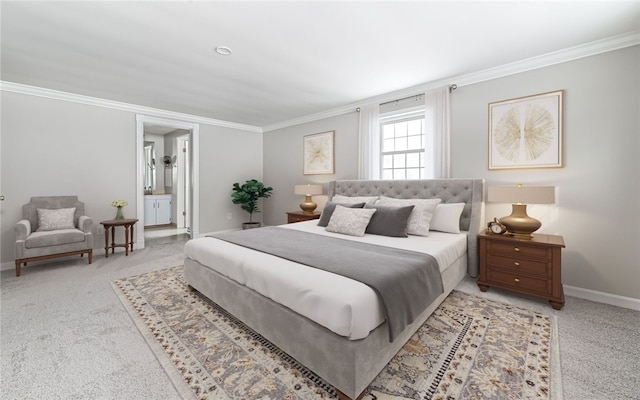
point(247, 195)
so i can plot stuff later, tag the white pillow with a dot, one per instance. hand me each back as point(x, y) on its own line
point(367, 200)
point(446, 217)
point(350, 221)
point(51, 220)
point(420, 216)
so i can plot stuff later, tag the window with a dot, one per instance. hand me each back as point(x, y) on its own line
point(402, 146)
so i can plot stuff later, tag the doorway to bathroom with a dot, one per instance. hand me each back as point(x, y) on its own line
point(166, 176)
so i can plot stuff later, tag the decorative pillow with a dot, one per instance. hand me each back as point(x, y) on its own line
point(330, 207)
point(389, 221)
point(350, 221)
point(356, 199)
point(446, 217)
point(420, 216)
point(51, 220)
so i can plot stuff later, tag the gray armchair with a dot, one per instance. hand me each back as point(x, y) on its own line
point(64, 231)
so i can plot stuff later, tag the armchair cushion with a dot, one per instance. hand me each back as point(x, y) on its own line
point(54, 238)
point(52, 220)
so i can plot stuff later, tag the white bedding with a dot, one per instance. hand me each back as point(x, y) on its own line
point(346, 307)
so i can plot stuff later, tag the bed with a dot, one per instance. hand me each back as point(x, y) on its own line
point(347, 355)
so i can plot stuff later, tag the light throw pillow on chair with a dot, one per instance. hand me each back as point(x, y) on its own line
point(53, 220)
point(350, 221)
point(420, 216)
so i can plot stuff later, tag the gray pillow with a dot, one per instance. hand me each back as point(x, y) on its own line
point(330, 207)
point(389, 220)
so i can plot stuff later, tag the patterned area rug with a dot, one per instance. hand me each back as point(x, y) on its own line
point(470, 348)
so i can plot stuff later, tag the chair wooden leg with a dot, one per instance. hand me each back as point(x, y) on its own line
point(17, 267)
point(90, 255)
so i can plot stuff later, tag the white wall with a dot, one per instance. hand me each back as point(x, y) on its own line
point(55, 147)
point(598, 190)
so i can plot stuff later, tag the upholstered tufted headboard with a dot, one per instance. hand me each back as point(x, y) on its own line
point(468, 191)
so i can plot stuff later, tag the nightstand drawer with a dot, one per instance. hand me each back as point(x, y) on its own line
point(518, 250)
point(520, 265)
point(522, 283)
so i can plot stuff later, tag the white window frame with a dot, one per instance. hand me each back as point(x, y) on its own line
point(412, 114)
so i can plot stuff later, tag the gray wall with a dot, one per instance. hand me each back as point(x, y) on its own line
point(598, 190)
point(283, 163)
point(226, 156)
point(54, 147)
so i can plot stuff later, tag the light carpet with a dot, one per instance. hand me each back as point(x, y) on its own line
point(470, 348)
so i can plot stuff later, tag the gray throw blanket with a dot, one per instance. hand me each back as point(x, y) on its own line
point(406, 281)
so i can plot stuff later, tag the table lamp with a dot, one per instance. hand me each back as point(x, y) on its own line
point(519, 224)
point(308, 205)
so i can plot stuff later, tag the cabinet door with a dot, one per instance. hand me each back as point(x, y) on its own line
point(163, 211)
point(149, 212)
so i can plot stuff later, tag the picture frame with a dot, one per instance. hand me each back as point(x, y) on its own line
point(318, 153)
point(526, 132)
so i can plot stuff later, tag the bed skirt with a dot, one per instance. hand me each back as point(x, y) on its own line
point(349, 365)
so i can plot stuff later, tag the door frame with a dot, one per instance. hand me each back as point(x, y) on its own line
point(194, 141)
point(182, 159)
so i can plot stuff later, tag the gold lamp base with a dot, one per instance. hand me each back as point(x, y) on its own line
point(308, 205)
point(519, 224)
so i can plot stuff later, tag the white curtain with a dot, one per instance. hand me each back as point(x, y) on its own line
point(437, 137)
point(369, 136)
point(437, 133)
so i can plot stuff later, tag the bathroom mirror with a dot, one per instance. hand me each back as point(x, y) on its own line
point(149, 167)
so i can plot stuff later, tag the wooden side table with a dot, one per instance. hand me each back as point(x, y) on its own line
point(110, 225)
point(299, 216)
point(529, 266)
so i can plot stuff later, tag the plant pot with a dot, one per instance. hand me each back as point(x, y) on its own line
point(251, 225)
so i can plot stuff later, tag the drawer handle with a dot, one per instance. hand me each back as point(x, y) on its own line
point(516, 280)
point(516, 248)
point(517, 264)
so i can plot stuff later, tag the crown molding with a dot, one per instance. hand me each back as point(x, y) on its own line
point(116, 105)
point(545, 60)
point(312, 117)
point(557, 57)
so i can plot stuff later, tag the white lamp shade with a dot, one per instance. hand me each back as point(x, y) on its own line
point(308, 190)
point(521, 194)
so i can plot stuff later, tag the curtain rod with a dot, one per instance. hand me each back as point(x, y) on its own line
point(416, 96)
point(452, 87)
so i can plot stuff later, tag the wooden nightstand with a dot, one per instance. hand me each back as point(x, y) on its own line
point(531, 267)
point(299, 216)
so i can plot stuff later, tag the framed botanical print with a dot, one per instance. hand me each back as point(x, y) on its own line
point(526, 132)
point(318, 154)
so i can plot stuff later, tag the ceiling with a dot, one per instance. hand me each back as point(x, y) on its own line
point(290, 59)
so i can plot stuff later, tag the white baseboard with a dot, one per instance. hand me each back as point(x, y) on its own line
point(602, 297)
